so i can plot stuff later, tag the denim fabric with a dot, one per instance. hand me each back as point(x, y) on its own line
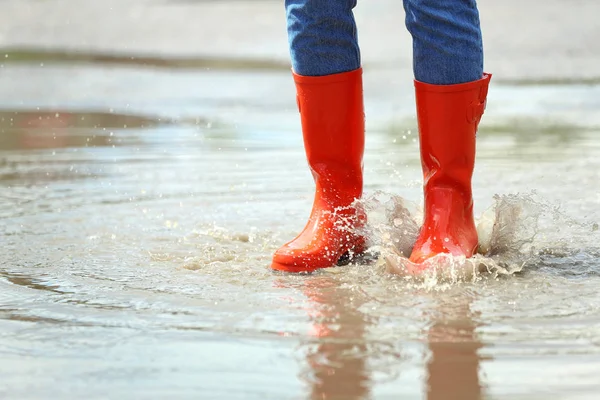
point(447, 44)
point(322, 36)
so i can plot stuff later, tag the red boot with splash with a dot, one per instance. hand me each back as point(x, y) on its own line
point(333, 128)
point(448, 118)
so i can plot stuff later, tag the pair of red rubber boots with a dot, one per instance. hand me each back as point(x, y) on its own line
point(333, 127)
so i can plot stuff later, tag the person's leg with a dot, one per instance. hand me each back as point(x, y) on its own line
point(451, 90)
point(328, 78)
point(447, 43)
point(322, 36)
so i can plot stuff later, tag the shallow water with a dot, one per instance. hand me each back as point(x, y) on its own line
point(140, 208)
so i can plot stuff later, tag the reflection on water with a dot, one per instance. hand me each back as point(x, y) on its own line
point(342, 357)
point(453, 365)
point(48, 129)
point(338, 352)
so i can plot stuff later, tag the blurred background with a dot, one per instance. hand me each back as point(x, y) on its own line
point(151, 161)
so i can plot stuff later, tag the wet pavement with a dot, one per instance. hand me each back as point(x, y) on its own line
point(143, 198)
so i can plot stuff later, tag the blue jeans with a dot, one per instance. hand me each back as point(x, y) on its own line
point(447, 44)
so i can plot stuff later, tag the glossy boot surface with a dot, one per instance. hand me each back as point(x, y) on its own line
point(448, 117)
point(332, 116)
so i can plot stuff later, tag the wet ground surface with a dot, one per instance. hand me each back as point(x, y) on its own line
point(141, 204)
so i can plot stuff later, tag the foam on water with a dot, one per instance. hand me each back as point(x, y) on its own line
point(515, 232)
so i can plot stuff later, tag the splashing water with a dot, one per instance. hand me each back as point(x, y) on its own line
point(514, 233)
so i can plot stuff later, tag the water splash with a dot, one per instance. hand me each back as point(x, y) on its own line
point(515, 232)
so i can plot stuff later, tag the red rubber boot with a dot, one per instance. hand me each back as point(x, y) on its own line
point(333, 127)
point(448, 119)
